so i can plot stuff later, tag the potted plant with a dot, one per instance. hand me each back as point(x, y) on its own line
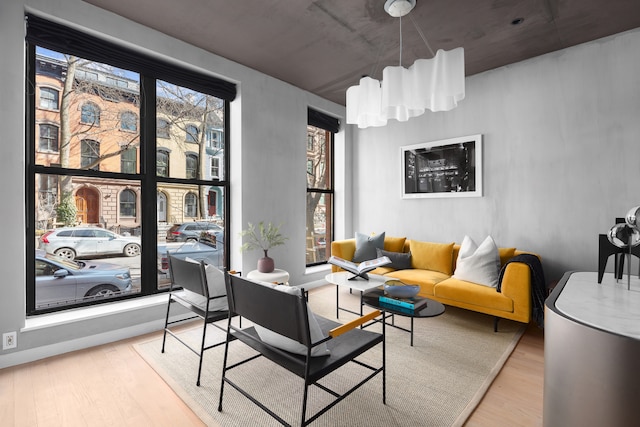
point(262, 237)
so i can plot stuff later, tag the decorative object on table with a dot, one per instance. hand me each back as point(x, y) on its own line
point(400, 295)
point(626, 235)
point(264, 237)
point(360, 270)
point(435, 84)
point(398, 289)
point(447, 168)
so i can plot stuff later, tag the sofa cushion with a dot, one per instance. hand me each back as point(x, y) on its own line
point(432, 256)
point(286, 343)
point(425, 278)
point(366, 246)
point(471, 293)
point(394, 244)
point(478, 264)
point(399, 260)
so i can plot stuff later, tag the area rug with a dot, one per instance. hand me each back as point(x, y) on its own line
point(436, 383)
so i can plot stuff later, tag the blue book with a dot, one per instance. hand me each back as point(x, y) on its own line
point(411, 303)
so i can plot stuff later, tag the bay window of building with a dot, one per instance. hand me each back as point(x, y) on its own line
point(102, 160)
point(319, 220)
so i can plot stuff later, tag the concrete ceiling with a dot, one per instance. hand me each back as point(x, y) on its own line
point(325, 46)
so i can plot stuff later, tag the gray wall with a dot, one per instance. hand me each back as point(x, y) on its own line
point(561, 157)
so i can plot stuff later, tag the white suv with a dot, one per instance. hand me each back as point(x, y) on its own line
point(72, 242)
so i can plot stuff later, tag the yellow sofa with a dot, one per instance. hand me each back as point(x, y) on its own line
point(434, 275)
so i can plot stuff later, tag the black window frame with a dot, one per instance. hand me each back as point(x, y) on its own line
point(332, 125)
point(58, 37)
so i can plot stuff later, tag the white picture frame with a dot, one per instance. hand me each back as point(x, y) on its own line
point(445, 168)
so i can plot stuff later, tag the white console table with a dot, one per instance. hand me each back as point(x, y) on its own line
point(592, 352)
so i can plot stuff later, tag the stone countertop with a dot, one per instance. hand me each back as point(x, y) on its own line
point(609, 305)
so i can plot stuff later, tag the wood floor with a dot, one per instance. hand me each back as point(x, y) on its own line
point(111, 385)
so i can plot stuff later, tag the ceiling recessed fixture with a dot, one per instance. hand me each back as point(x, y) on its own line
point(398, 8)
point(517, 21)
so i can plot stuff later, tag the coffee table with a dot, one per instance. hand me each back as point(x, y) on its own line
point(347, 280)
point(431, 309)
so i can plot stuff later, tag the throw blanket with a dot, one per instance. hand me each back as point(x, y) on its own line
point(538, 284)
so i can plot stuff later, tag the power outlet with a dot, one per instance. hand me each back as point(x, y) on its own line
point(9, 340)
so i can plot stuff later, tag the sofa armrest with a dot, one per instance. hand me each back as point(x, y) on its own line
point(343, 249)
point(516, 284)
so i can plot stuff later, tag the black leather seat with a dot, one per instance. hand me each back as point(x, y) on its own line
point(287, 315)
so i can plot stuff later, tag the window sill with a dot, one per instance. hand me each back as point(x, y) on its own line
point(93, 312)
point(316, 269)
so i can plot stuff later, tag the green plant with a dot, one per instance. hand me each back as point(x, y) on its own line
point(263, 237)
point(67, 211)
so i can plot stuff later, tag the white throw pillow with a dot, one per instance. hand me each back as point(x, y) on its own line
point(478, 264)
point(286, 343)
point(215, 283)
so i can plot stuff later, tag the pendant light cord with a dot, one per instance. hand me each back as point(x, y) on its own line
point(400, 41)
point(424, 39)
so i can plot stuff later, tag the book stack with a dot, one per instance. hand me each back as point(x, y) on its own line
point(402, 304)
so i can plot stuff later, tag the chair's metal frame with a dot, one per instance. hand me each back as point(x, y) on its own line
point(287, 315)
point(191, 276)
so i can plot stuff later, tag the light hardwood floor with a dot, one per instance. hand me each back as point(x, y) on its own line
point(111, 385)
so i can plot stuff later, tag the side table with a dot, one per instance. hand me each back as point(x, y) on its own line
point(276, 276)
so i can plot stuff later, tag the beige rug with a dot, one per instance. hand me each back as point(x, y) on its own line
point(436, 383)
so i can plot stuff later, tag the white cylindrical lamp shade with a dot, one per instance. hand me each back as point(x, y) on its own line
point(363, 104)
point(438, 83)
point(396, 94)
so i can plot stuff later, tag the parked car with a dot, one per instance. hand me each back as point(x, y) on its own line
point(72, 242)
point(63, 281)
point(191, 231)
point(192, 249)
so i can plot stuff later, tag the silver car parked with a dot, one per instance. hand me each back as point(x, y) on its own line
point(61, 281)
point(72, 242)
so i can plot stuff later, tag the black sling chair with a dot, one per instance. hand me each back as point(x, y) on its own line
point(286, 314)
point(191, 276)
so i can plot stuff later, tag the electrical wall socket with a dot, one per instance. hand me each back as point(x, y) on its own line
point(9, 340)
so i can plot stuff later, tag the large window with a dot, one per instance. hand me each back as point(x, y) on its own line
point(319, 166)
point(100, 155)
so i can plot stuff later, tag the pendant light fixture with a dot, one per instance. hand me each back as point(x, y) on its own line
point(435, 84)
